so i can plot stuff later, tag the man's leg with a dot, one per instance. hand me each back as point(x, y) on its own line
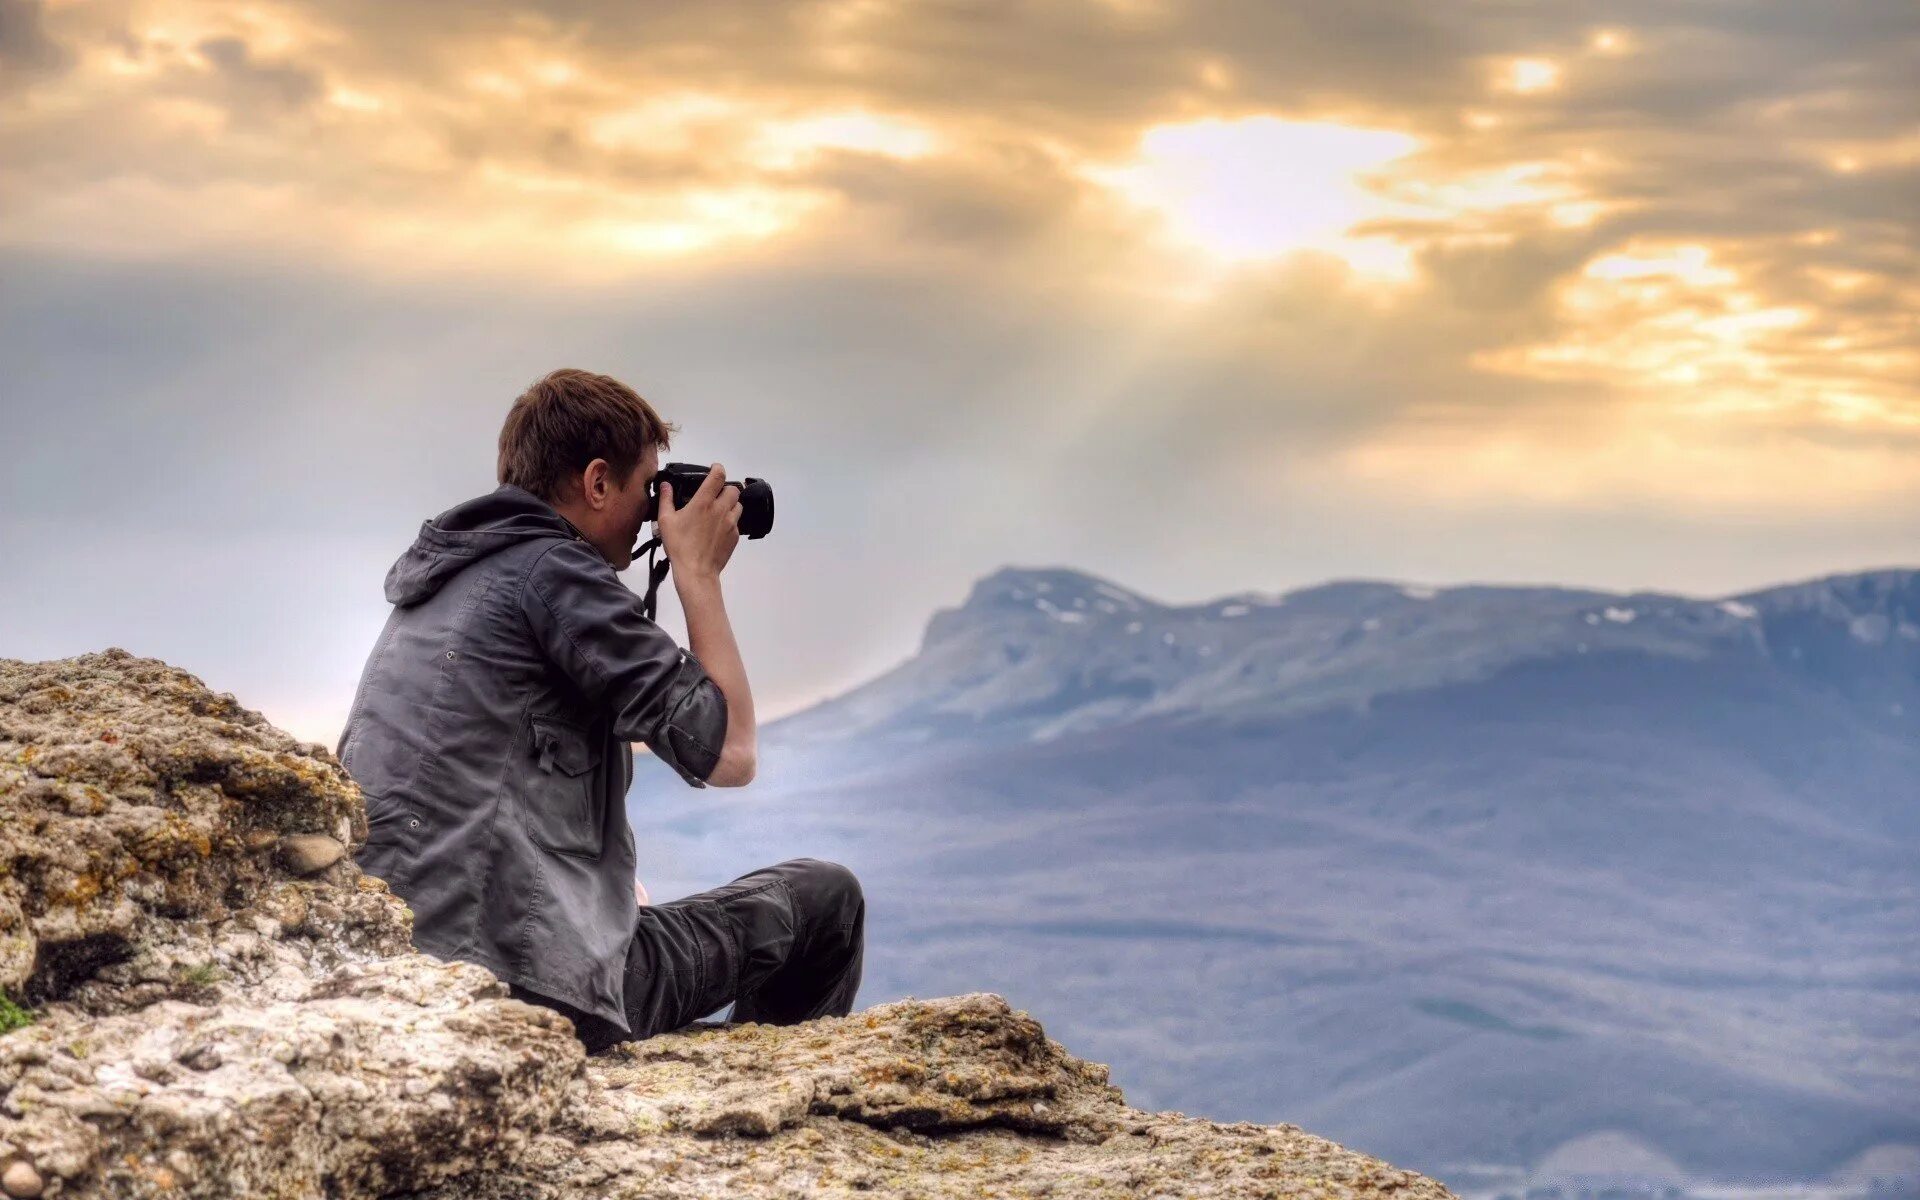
point(784, 943)
point(821, 973)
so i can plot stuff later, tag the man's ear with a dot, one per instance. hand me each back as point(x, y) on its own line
point(593, 484)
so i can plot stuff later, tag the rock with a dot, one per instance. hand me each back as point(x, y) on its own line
point(21, 1181)
point(219, 1013)
point(306, 853)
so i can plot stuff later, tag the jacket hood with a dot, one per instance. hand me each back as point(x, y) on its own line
point(466, 533)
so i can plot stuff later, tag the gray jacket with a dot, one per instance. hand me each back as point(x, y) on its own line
point(491, 734)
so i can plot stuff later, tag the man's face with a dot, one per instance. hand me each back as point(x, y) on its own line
point(626, 512)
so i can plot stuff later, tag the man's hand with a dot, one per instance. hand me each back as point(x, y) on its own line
point(699, 539)
point(640, 893)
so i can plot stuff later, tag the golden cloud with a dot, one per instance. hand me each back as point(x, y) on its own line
point(1699, 231)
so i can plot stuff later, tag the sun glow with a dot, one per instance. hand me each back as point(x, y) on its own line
point(784, 144)
point(1610, 42)
point(1261, 187)
point(1526, 76)
point(691, 222)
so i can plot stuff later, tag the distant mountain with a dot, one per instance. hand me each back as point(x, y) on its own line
point(1038, 654)
point(1463, 875)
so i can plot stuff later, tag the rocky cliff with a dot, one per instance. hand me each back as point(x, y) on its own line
point(202, 996)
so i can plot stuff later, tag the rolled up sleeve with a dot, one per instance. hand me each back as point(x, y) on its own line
point(693, 724)
point(591, 627)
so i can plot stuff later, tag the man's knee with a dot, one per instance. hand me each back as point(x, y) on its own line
point(827, 888)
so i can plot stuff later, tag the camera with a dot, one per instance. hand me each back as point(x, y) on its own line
point(756, 495)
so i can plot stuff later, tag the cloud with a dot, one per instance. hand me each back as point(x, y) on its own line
point(257, 83)
point(1241, 293)
point(25, 49)
point(1505, 154)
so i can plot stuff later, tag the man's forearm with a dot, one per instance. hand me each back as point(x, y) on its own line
point(710, 637)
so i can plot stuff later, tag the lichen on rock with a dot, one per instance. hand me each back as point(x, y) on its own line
point(223, 1005)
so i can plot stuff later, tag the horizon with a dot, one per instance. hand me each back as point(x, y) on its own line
point(1441, 585)
point(328, 734)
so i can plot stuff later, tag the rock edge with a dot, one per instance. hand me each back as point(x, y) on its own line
point(224, 1005)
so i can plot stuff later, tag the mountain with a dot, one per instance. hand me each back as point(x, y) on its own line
point(1463, 874)
point(1038, 654)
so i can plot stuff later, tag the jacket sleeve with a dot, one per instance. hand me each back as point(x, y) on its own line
point(593, 631)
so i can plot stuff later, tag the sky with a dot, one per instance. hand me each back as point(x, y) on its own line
point(1202, 298)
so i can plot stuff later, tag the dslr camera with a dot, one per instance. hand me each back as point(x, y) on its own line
point(756, 496)
point(756, 516)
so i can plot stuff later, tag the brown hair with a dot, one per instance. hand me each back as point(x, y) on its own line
point(567, 419)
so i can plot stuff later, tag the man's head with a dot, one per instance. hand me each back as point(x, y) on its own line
point(588, 445)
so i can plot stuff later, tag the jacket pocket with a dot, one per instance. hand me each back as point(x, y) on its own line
point(564, 812)
point(394, 833)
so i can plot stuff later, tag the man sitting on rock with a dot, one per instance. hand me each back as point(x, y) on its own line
point(492, 726)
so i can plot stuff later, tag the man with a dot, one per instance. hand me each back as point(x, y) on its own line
point(492, 730)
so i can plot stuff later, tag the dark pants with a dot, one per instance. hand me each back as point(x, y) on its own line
point(782, 943)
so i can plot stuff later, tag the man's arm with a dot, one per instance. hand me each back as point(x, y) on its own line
point(699, 539)
point(592, 629)
point(710, 634)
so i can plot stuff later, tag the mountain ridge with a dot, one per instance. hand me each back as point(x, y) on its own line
point(1033, 653)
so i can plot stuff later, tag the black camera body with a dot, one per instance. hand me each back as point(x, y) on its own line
point(756, 495)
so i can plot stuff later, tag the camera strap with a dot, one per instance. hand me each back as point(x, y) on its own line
point(656, 571)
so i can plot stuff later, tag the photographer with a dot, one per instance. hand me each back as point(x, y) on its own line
point(491, 734)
